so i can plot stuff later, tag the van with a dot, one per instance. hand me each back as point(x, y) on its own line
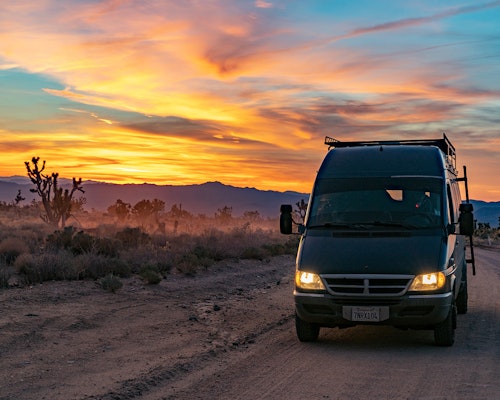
point(383, 241)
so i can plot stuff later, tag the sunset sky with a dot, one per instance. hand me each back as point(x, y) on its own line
point(243, 92)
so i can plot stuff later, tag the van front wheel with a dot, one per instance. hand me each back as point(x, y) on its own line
point(306, 331)
point(444, 332)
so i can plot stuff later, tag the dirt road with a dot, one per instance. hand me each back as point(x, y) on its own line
point(228, 333)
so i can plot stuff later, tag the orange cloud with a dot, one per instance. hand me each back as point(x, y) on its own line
point(188, 91)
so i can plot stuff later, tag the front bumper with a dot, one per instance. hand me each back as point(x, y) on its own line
point(409, 311)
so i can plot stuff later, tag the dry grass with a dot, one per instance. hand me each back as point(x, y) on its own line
point(94, 246)
point(11, 248)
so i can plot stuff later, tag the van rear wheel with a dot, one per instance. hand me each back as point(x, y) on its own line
point(444, 332)
point(306, 331)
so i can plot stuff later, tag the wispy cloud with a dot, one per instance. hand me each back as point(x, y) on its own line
point(416, 21)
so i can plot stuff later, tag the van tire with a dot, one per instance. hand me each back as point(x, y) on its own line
point(462, 299)
point(444, 332)
point(306, 331)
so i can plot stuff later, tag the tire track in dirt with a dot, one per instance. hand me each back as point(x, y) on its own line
point(72, 340)
point(162, 376)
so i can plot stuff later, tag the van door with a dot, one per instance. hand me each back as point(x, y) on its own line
point(456, 243)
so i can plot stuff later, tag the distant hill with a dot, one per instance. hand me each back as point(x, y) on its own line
point(487, 212)
point(205, 198)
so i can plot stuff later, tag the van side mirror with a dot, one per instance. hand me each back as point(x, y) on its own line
point(450, 229)
point(466, 219)
point(286, 219)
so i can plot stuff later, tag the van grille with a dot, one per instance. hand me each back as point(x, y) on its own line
point(367, 285)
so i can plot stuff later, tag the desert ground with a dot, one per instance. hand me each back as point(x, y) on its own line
point(228, 333)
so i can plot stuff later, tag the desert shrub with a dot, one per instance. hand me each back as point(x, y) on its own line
point(84, 243)
point(207, 255)
point(151, 274)
point(188, 264)
point(137, 258)
point(111, 283)
point(253, 253)
point(11, 248)
point(46, 267)
point(60, 239)
point(94, 266)
point(241, 231)
point(4, 276)
point(213, 244)
point(274, 249)
point(108, 247)
point(132, 237)
point(81, 242)
point(164, 266)
point(33, 235)
point(278, 249)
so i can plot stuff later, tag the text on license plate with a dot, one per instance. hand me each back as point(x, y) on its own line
point(365, 314)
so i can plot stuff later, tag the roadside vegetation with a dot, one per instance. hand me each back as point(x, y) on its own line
point(485, 235)
point(142, 239)
point(55, 238)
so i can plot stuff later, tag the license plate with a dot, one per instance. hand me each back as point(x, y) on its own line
point(365, 314)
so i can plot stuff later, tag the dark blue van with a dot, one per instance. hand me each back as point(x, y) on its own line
point(383, 240)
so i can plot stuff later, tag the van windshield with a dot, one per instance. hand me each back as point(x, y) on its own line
point(409, 202)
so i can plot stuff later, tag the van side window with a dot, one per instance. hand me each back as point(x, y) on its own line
point(451, 212)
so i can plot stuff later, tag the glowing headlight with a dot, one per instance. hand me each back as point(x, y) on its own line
point(432, 281)
point(308, 281)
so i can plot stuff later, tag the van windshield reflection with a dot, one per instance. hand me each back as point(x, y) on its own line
point(364, 203)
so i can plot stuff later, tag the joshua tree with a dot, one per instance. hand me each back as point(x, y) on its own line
point(145, 209)
point(19, 198)
point(301, 209)
point(224, 214)
point(120, 210)
point(56, 201)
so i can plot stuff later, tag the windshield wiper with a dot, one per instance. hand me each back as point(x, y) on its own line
point(392, 224)
point(338, 225)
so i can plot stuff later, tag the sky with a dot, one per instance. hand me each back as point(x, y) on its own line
point(243, 92)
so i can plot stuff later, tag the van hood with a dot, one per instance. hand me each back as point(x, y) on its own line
point(325, 253)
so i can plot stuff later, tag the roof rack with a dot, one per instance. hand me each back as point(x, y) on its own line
point(444, 144)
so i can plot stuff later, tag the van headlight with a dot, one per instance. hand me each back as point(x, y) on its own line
point(433, 281)
point(308, 281)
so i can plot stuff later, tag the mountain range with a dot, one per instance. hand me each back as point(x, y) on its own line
point(203, 199)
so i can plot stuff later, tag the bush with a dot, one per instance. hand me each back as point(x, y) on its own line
point(47, 267)
point(150, 274)
point(214, 245)
point(275, 249)
point(81, 242)
point(107, 247)
point(188, 264)
point(60, 239)
point(137, 258)
point(132, 237)
point(111, 283)
point(4, 276)
point(11, 248)
point(252, 253)
point(96, 266)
